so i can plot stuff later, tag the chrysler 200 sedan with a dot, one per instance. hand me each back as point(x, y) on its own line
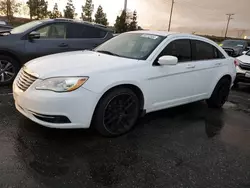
point(134, 73)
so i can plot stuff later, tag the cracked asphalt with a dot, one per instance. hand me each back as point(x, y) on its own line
point(188, 146)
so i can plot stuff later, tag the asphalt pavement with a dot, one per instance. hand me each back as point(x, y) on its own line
point(188, 146)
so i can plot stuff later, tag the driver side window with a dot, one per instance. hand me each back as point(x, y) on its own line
point(180, 48)
point(52, 31)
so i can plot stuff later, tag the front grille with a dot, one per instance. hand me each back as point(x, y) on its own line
point(244, 66)
point(25, 80)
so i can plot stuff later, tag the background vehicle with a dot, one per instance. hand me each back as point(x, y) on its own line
point(4, 26)
point(129, 75)
point(247, 49)
point(243, 69)
point(234, 48)
point(39, 38)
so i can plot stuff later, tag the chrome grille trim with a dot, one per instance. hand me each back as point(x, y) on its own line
point(25, 80)
point(244, 66)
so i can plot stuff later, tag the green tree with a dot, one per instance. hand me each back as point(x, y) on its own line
point(8, 8)
point(38, 9)
point(24, 9)
point(121, 23)
point(133, 24)
point(101, 17)
point(55, 13)
point(87, 11)
point(69, 11)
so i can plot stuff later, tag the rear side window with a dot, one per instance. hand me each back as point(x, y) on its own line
point(205, 51)
point(84, 31)
point(179, 48)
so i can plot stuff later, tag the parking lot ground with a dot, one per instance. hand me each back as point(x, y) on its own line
point(187, 146)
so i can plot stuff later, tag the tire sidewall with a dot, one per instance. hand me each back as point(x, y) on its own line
point(215, 100)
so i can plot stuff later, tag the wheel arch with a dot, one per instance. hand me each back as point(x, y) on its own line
point(10, 54)
point(133, 87)
point(226, 76)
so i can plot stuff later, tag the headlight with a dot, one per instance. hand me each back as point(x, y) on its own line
point(61, 84)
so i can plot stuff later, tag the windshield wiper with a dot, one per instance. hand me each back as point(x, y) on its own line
point(107, 52)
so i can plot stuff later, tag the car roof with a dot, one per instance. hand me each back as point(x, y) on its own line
point(160, 33)
point(165, 34)
point(77, 21)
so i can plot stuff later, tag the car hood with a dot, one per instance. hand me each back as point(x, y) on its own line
point(244, 58)
point(78, 63)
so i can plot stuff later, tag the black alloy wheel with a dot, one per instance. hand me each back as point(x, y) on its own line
point(117, 112)
point(8, 70)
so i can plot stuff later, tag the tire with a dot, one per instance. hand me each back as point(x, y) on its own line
point(9, 68)
point(236, 85)
point(116, 112)
point(220, 94)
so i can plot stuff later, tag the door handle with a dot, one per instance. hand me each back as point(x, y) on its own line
point(63, 45)
point(190, 66)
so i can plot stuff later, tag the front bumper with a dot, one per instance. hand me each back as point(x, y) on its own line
point(57, 110)
point(241, 75)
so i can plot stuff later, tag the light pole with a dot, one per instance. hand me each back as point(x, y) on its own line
point(125, 5)
point(229, 18)
point(170, 19)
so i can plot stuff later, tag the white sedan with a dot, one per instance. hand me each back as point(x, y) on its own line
point(130, 75)
point(243, 69)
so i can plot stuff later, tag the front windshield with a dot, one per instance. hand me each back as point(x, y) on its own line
point(131, 45)
point(248, 53)
point(25, 27)
point(233, 43)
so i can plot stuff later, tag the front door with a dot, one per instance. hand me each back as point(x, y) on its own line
point(52, 40)
point(172, 85)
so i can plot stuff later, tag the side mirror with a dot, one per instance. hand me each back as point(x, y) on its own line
point(168, 60)
point(244, 53)
point(34, 35)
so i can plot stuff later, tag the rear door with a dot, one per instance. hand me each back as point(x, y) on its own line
point(84, 36)
point(210, 64)
point(52, 40)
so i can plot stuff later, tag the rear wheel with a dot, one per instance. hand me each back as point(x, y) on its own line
point(236, 85)
point(117, 112)
point(8, 69)
point(220, 94)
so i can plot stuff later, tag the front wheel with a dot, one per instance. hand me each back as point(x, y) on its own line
point(8, 70)
point(220, 94)
point(117, 112)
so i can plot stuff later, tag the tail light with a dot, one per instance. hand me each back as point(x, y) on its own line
point(236, 62)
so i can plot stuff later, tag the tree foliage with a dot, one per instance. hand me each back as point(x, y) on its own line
point(101, 17)
point(121, 23)
point(38, 9)
point(133, 24)
point(8, 8)
point(87, 11)
point(55, 13)
point(127, 21)
point(69, 11)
